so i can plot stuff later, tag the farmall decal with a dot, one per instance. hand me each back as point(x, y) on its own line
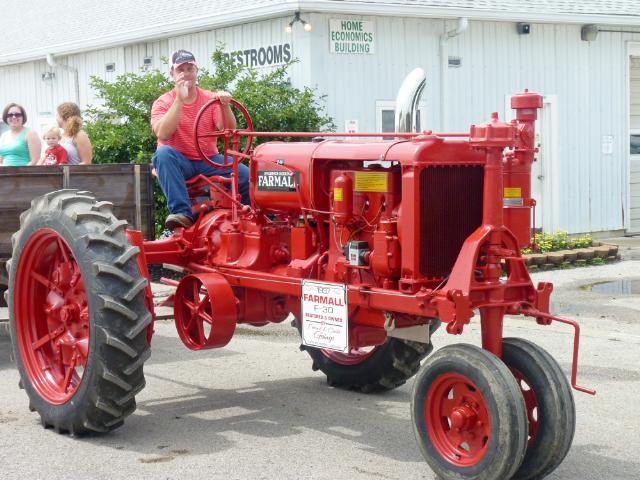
point(325, 315)
point(277, 181)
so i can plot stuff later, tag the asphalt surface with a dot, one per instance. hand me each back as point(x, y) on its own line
point(254, 409)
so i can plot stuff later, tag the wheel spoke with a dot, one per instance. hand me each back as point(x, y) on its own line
point(70, 371)
point(196, 293)
point(47, 338)
point(63, 250)
point(44, 281)
point(200, 331)
point(206, 317)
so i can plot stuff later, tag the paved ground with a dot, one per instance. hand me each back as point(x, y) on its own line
point(256, 410)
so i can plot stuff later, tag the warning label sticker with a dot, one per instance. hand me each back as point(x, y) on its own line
point(512, 192)
point(325, 315)
point(372, 182)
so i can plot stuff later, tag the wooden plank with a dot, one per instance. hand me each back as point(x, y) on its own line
point(111, 182)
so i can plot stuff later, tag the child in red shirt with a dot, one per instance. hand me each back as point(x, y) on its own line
point(56, 153)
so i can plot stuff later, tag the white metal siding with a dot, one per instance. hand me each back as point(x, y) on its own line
point(587, 78)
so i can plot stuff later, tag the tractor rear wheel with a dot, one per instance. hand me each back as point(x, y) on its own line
point(468, 415)
point(379, 368)
point(78, 317)
point(550, 407)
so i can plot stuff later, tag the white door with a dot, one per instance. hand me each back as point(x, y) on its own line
point(544, 164)
point(634, 144)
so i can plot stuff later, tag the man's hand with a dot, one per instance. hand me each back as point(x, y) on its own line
point(229, 120)
point(224, 97)
point(182, 87)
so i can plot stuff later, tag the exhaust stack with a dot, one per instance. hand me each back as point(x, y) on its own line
point(407, 101)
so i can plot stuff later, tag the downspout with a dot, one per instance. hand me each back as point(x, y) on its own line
point(53, 64)
point(463, 24)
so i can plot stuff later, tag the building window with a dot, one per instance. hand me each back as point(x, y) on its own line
point(386, 116)
point(634, 146)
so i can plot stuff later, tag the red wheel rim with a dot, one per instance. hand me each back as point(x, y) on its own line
point(355, 356)
point(51, 317)
point(457, 419)
point(195, 313)
point(531, 402)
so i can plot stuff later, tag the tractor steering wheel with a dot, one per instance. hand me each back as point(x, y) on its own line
point(227, 134)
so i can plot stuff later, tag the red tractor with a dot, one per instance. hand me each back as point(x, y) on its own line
point(369, 245)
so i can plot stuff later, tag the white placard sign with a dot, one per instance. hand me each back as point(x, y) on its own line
point(351, 126)
point(607, 144)
point(324, 315)
point(351, 36)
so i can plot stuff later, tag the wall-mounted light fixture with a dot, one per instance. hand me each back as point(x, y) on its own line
point(296, 18)
point(523, 28)
point(589, 33)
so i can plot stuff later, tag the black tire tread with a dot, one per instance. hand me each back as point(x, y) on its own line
point(118, 321)
point(546, 454)
point(388, 368)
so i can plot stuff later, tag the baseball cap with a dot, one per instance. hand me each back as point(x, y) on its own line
point(182, 56)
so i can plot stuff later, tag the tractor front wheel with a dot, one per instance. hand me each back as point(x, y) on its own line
point(468, 414)
point(78, 317)
point(550, 407)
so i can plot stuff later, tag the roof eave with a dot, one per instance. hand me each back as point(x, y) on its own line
point(226, 19)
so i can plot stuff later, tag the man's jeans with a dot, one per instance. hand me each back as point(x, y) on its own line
point(173, 169)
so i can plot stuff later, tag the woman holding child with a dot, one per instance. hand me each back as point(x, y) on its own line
point(19, 146)
point(74, 139)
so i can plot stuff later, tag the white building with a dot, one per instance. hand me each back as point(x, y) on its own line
point(583, 56)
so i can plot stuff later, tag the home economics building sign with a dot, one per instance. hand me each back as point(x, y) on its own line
point(351, 36)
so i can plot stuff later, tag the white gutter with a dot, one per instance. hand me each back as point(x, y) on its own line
point(463, 24)
point(74, 71)
point(154, 32)
point(289, 7)
point(475, 13)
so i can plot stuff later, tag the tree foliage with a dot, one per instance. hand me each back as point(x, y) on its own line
point(119, 126)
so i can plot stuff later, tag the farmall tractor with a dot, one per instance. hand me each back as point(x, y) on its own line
point(369, 245)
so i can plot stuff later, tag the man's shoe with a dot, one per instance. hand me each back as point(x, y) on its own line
point(177, 220)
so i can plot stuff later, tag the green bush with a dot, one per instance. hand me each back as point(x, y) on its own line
point(120, 131)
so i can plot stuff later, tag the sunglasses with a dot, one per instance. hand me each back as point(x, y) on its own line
point(14, 115)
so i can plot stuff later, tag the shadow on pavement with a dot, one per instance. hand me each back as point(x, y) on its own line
point(204, 422)
point(6, 355)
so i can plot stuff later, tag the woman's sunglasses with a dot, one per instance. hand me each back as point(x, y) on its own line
point(14, 115)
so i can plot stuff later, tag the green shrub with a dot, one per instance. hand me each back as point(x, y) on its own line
point(120, 131)
point(552, 242)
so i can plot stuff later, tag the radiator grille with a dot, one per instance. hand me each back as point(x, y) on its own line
point(450, 210)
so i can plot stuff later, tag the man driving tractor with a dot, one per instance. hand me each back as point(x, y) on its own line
point(177, 159)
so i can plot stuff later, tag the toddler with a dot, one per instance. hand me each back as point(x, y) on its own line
point(55, 154)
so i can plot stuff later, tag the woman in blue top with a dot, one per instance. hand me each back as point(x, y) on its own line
point(18, 146)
